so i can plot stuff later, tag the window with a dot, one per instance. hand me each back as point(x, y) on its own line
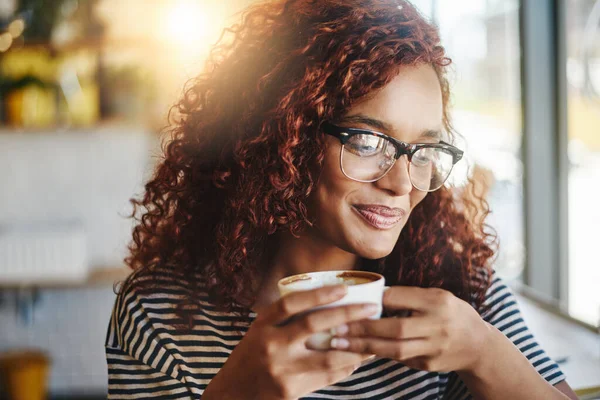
point(482, 38)
point(583, 123)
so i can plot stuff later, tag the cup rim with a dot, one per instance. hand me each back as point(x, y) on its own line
point(283, 282)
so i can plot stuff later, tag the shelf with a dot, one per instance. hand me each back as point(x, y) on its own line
point(98, 277)
point(107, 276)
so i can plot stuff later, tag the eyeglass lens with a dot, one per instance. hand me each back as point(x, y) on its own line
point(368, 158)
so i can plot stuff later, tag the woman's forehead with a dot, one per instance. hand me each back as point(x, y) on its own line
point(409, 107)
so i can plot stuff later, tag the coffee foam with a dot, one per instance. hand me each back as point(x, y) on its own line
point(326, 280)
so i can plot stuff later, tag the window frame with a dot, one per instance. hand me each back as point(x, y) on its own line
point(545, 155)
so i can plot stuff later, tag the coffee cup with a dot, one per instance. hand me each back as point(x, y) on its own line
point(363, 287)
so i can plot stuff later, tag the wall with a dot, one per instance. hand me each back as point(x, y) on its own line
point(70, 325)
point(57, 177)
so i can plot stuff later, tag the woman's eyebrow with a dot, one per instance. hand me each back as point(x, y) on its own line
point(385, 127)
point(431, 134)
point(372, 122)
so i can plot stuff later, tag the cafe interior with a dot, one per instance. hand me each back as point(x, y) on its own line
point(85, 92)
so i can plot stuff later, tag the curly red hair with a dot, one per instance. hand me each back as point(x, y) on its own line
point(246, 149)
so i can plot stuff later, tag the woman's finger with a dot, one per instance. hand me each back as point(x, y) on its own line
point(301, 301)
point(415, 298)
point(395, 349)
point(393, 328)
point(324, 320)
point(330, 360)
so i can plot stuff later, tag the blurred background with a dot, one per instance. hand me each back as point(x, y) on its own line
point(85, 86)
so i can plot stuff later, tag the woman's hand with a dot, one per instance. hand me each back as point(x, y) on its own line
point(444, 332)
point(272, 362)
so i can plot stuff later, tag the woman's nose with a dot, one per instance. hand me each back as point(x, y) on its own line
point(397, 180)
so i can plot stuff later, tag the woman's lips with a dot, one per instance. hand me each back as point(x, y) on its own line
point(380, 217)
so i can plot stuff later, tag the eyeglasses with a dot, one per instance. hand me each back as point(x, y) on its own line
point(368, 156)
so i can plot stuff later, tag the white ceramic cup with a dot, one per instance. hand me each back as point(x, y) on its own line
point(363, 287)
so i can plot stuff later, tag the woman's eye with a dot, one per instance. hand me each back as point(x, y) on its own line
point(364, 145)
point(363, 150)
point(420, 158)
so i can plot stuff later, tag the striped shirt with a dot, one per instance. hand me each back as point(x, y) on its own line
point(148, 358)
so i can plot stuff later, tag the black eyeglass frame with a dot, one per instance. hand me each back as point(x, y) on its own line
point(344, 134)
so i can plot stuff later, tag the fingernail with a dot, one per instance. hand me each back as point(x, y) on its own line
point(340, 330)
point(370, 309)
point(339, 343)
point(339, 290)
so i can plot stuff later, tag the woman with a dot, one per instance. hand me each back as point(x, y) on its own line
point(317, 141)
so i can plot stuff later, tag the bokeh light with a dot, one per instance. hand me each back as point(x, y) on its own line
point(6, 40)
point(187, 25)
point(16, 27)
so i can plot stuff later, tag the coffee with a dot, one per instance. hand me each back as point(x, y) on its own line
point(311, 281)
point(356, 278)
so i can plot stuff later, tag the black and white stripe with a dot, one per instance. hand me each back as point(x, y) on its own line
point(148, 358)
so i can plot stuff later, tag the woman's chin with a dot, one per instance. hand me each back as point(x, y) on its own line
point(374, 253)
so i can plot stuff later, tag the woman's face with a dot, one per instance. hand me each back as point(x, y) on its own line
point(366, 218)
